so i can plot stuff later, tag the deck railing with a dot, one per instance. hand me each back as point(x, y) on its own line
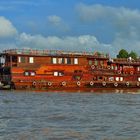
point(54, 52)
point(126, 61)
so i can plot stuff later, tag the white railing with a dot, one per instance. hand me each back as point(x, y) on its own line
point(53, 52)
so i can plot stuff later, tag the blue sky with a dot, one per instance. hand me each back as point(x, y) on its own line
point(76, 25)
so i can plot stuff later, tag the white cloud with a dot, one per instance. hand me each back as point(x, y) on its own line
point(58, 23)
point(125, 23)
point(55, 20)
point(96, 12)
point(127, 39)
point(69, 43)
point(6, 28)
point(123, 20)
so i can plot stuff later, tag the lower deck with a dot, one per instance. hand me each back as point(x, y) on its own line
point(68, 85)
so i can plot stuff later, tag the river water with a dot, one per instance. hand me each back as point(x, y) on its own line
point(96, 115)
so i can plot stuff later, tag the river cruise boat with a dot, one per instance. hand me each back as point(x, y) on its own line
point(54, 70)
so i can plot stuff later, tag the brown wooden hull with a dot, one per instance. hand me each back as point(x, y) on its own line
point(79, 85)
point(40, 70)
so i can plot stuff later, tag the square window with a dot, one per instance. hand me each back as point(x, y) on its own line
point(55, 73)
point(32, 73)
point(117, 78)
point(121, 78)
point(61, 74)
point(21, 59)
point(90, 62)
point(60, 60)
point(54, 60)
point(26, 73)
point(111, 78)
point(75, 60)
point(31, 60)
point(68, 60)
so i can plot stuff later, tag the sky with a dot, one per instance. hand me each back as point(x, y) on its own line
point(71, 25)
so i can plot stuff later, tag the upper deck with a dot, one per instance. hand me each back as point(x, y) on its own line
point(32, 52)
point(126, 61)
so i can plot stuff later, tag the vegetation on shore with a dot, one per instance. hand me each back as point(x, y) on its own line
point(125, 54)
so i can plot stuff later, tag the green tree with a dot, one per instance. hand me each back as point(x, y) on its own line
point(133, 55)
point(123, 54)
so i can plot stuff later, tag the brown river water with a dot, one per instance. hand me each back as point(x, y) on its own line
point(94, 115)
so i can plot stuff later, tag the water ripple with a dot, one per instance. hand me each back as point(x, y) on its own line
point(69, 116)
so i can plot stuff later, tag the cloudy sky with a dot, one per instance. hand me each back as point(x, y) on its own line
point(75, 25)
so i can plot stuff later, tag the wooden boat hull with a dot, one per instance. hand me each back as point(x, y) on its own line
point(40, 70)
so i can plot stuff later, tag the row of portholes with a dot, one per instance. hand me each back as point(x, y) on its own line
point(64, 83)
point(115, 84)
point(91, 83)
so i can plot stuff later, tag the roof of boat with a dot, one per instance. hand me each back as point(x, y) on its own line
point(33, 52)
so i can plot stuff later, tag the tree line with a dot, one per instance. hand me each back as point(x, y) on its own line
point(125, 54)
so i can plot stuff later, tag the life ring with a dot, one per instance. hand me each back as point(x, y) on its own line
point(131, 72)
point(49, 83)
point(127, 83)
point(115, 84)
point(78, 83)
point(138, 84)
point(91, 83)
point(92, 67)
point(119, 72)
point(34, 83)
point(63, 83)
point(104, 84)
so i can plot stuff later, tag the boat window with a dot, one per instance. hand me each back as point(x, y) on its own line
point(90, 62)
point(77, 77)
point(55, 73)
point(100, 78)
point(111, 78)
point(68, 60)
point(54, 60)
point(31, 59)
point(117, 78)
point(139, 79)
point(116, 68)
point(21, 59)
point(112, 67)
point(26, 73)
point(75, 60)
point(60, 60)
point(32, 73)
point(61, 73)
point(121, 68)
point(2, 60)
point(95, 62)
point(121, 78)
